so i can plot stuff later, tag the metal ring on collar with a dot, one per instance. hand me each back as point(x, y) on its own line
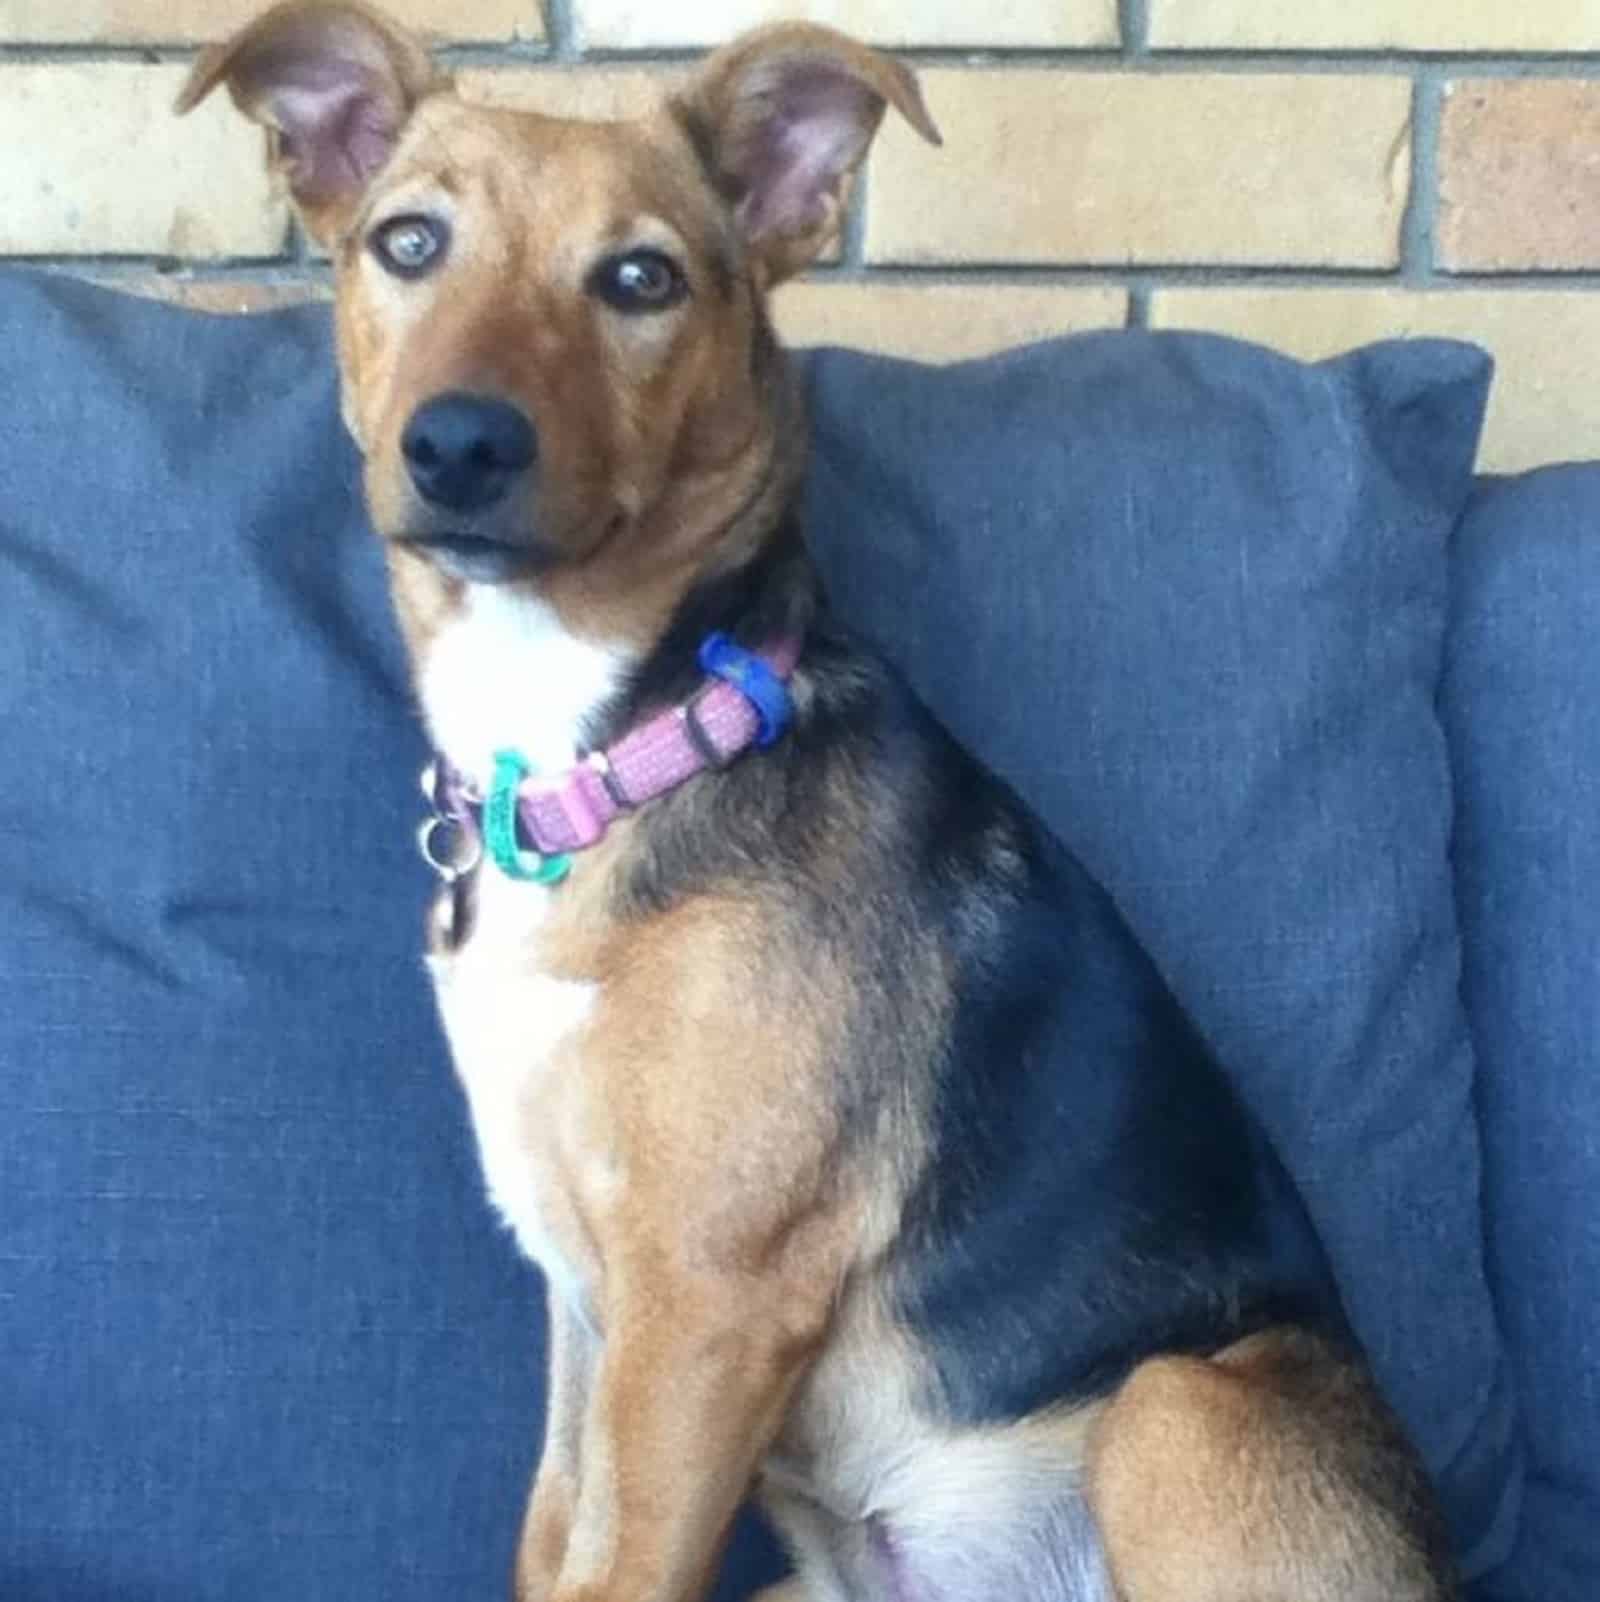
point(441, 841)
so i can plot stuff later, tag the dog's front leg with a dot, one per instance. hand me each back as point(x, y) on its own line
point(691, 1387)
point(543, 1546)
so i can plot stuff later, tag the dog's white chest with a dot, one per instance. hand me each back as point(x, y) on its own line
point(517, 1039)
point(504, 675)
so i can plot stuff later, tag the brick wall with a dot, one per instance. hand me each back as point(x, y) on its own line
point(1309, 172)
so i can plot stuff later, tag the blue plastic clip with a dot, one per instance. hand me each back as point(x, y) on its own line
point(754, 680)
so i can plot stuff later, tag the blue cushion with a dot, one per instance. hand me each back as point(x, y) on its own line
point(256, 1324)
point(261, 1338)
point(1522, 705)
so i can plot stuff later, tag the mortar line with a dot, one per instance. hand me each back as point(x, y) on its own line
point(563, 43)
point(561, 30)
point(1140, 281)
point(1176, 63)
point(1418, 232)
point(853, 234)
point(1133, 26)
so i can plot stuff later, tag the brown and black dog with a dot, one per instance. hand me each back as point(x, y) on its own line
point(872, 1166)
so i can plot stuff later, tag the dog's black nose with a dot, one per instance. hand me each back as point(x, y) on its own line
point(465, 451)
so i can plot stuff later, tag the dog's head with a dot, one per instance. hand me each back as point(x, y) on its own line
point(552, 334)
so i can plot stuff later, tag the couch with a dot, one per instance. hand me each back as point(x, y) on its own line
point(1315, 703)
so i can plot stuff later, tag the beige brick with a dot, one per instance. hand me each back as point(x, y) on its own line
point(1050, 166)
point(939, 322)
point(94, 162)
point(190, 21)
point(1519, 175)
point(1374, 25)
point(604, 94)
point(649, 24)
point(1545, 404)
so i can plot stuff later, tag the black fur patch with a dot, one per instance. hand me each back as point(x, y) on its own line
point(1094, 1193)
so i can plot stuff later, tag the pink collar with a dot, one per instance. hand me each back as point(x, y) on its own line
point(530, 823)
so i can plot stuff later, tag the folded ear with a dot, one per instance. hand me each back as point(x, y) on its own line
point(334, 82)
point(784, 116)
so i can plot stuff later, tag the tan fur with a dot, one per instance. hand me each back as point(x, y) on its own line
point(651, 436)
point(548, 1524)
point(665, 1085)
point(1233, 1480)
point(691, 1172)
point(719, 1256)
point(625, 484)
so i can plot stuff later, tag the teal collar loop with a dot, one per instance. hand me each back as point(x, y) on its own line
point(500, 826)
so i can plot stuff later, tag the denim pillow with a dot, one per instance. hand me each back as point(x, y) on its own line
point(1521, 693)
point(1188, 596)
point(255, 1322)
point(260, 1338)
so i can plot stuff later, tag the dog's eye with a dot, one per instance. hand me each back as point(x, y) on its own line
point(408, 246)
point(639, 281)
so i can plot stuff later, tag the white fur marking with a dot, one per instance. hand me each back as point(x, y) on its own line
point(504, 673)
point(504, 1032)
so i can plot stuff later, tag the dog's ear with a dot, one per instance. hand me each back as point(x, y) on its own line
point(333, 82)
point(783, 117)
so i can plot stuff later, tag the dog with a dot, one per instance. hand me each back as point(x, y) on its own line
point(872, 1167)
